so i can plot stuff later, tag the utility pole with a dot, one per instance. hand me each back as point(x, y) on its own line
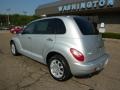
point(8, 17)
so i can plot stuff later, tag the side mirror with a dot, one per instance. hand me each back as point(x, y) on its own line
point(102, 28)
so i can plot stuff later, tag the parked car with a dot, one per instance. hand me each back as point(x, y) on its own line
point(68, 45)
point(15, 29)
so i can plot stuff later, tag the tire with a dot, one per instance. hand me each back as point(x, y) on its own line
point(14, 49)
point(59, 68)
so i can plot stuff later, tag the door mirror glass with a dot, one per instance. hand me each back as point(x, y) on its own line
point(102, 28)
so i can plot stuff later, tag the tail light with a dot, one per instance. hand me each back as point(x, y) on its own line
point(77, 55)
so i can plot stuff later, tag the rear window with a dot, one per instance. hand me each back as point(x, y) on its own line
point(86, 27)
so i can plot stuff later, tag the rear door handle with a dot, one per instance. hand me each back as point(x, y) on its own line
point(49, 39)
point(29, 37)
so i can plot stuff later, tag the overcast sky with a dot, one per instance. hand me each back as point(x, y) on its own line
point(21, 6)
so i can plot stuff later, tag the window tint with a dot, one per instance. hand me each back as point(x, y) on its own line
point(49, 26)
point(29, 29)
point(86, 27)
point(45, 27)
point(60, 27)
point(41, 27)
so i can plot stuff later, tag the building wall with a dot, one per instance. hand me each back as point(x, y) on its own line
point(109, 15)
point(52, 8)
point(115, 28)
point(112, 22)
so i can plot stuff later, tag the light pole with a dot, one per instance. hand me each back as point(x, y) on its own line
point(8, 18)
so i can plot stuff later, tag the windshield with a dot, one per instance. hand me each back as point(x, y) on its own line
point(86, 27)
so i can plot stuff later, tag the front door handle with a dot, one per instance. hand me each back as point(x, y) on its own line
point(49, 39)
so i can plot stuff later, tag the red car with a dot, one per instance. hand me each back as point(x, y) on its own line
point(15, 29)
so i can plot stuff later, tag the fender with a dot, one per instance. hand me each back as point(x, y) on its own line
point(17, 43)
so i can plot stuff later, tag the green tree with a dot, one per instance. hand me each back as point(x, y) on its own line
point(17, 19)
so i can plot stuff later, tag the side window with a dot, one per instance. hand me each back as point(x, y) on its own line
point(49, 26)
point(60, 27)
point(29, 29)
point(41, 27)
point(46, 26)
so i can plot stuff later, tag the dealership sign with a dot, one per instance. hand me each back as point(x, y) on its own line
point(93, 4)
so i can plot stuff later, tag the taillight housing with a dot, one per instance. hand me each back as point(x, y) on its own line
point(77, 55)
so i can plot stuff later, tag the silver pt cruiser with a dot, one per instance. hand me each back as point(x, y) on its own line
point(68, 45)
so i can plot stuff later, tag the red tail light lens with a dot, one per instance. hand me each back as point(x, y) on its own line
point(77, 55)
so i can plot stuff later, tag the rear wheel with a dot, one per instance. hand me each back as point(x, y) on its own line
point(14, 49)
point(59, 68)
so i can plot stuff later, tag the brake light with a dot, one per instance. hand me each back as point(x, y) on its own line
point(77, 55)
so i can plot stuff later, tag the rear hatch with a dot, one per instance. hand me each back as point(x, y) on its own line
point(90, 39)
point(94, 47)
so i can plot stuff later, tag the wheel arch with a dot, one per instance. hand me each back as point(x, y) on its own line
point(11, 41)
point(66, 65)
point(17, 43)
point(50, 54)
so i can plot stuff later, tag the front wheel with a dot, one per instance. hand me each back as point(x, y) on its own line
point(59, 68)
point(14, 49)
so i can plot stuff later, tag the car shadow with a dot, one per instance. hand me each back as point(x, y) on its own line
point(88, 75)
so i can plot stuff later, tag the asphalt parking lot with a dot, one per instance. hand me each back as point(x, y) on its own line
point(22, 73)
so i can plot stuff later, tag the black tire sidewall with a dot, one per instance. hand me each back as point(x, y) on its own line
point(67, 74)
point(16, 52)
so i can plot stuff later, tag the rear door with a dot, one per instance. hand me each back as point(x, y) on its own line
point(43, 38)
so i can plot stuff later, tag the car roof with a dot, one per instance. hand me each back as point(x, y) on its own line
point(60, 17)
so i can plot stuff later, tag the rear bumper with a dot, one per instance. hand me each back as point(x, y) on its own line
point(89, 67)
